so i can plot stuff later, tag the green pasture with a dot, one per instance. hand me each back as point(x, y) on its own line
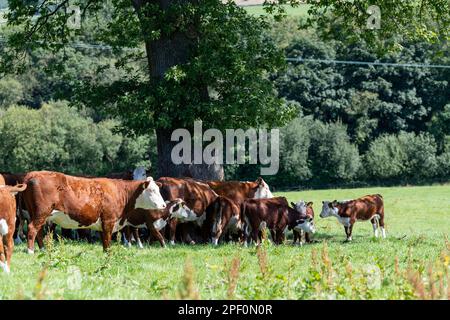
point(413, 262)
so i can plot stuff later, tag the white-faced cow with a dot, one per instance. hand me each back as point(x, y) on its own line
point(307, 210)
point(347, 212)
point(99, 204)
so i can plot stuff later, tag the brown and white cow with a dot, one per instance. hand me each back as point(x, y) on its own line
point(274, 214)
point(370, 207)
point(309, 212)
point(72, 202)
point(7, 223)
point(155, 220)
point(199, 198)
point(12, 179)
point(130, 232)
point(233, 193)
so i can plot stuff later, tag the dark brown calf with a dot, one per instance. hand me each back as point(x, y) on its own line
point(7, 223)
point(274, 214)
point(309, 214)
point(369, 207)
point(155, 220)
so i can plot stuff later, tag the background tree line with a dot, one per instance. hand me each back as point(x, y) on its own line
point(355, 124)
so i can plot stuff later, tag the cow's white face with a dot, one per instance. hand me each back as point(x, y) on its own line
point(328, 209)
point(263, 191)
point(150, 197)
point(300, 207)
point(182, 212)
point(306, 225)
point(139, 173)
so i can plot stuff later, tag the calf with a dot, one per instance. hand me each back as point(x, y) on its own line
point(155, 220)
point(199, 198)
point(274, 214)
point(233, 193)
point(7, 223)
point(370, 207)
point(80, 203)
point(309, 212)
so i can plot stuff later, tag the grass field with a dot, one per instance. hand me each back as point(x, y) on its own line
point(413, 262)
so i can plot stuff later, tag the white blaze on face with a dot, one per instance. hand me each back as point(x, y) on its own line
point(183, 213)
point(263, 191)
point(159, 224)
point(150, 198)
point(328, 210)
point(139, 173)
point(305, 225)
point(300, 207)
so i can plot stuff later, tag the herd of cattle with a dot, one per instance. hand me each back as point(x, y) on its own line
point(178, 209)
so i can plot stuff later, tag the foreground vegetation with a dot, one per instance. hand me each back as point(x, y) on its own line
point(413, 262)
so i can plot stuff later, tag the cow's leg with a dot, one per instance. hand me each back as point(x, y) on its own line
point(172, 230)
point(107, 231)
point(308, 237)
point(383, 231)
point(346, 233)
point(137, 237)
point(35, 229)
point(127, 236)
point(155, 233)
point(374, 222)
point(3, 263)
point(349, 234)
point(185, 234)
point(9, 247)
point(255, 236)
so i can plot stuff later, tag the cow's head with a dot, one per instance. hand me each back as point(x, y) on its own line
point(150, 197)
point(305, 224)
point(329, 209)
point(139, 173)
point(179, 210)
point(306, 214)
point(262, 189)
point(300, 207)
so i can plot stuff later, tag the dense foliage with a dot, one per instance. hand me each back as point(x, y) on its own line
point(355, 124)
point(57, 137)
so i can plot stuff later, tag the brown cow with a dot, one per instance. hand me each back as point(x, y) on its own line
point(199, 198)
point(80, 203)
point(233, 194)
point(7, 223)
point(370, 207)
point(274, 214)
point(130, 232)
point(238, 191)
point(12, 179)
point(310, 214)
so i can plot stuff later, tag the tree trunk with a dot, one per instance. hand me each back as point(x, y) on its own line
point(166, 168)
point(163, 54)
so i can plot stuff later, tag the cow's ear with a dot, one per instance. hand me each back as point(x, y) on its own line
point(159, 184)
point(334, 203)
point(259, 181)
point(292, 204)
point(310, 204)
point(145, 185)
